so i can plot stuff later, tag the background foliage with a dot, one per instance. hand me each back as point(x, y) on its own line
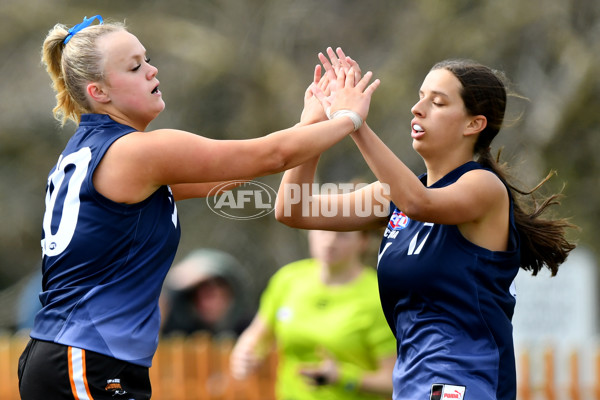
point(232, 69)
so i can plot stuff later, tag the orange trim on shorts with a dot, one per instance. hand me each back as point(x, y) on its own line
point(73, 388)
point(85, 382)
point(83, 373)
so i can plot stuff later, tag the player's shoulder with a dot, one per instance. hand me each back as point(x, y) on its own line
point(480, 174)
point(483, 180)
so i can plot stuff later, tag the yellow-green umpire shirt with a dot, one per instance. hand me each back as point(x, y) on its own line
point(311, 321)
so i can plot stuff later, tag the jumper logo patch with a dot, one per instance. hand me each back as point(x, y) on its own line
point(441, 391)
point(398, 220)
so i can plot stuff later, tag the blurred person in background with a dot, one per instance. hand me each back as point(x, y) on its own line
point(324, 317)
point(111, 230)
point(206, 292)
point(455, 236)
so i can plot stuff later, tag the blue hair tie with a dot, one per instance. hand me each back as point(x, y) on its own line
point(86, 22)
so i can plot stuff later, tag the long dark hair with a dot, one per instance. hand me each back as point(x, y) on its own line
point(543, 240)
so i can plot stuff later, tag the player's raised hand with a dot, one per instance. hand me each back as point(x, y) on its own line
point(349, 96)
point(337, 61)
point(313, 110)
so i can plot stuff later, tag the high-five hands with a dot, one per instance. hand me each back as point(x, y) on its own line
point(340, 90)
point(337, 61)
point(346, 93)
point(313, 110)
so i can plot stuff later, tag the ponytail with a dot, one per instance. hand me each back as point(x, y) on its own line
point(52, 50)
point(72, 66)
point(543, 241)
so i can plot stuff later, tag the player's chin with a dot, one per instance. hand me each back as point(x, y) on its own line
point(416, 144)
point(160, 106)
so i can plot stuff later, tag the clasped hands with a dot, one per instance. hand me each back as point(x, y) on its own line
point(340, 89)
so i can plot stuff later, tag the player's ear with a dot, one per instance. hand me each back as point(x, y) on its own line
point(97, 93)
point(476, 124)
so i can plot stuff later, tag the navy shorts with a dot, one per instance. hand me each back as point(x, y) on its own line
point(58, 372)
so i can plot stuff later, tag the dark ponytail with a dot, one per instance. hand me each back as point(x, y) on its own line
point(543, 240)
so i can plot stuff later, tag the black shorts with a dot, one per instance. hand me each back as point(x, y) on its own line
point(54, 371)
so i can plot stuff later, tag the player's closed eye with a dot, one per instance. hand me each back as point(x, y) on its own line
point(147, 60)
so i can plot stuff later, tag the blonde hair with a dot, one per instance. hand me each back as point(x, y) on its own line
point(73, 65)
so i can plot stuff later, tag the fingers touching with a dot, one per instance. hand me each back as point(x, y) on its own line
point(339, 83)
point(337, 60)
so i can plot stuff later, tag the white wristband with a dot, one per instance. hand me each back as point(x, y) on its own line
point(356, 119)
